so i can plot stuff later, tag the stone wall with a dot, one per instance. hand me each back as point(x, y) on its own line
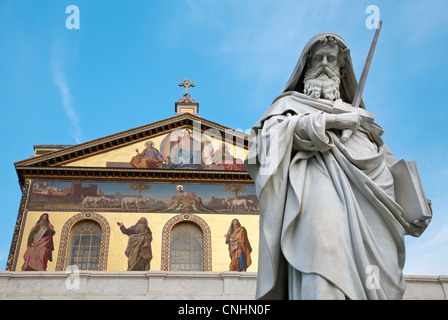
point(83, 285)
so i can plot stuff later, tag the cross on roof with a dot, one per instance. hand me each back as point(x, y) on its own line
point(186, 84)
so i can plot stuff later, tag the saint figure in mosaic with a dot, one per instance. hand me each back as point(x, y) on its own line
point(138, 250)
point(40, 245)
point(239, 247)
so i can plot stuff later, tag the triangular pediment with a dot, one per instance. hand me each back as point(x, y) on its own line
point(142, 147)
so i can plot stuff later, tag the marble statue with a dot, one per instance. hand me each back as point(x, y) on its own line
point(330, 223)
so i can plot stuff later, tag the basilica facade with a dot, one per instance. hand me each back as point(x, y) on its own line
point(172, 195)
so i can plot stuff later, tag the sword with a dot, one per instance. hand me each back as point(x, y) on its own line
point(347, 133)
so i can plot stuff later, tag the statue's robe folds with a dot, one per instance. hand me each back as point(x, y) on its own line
point(327, 209)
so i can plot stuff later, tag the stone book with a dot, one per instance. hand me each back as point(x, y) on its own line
point(409, 191)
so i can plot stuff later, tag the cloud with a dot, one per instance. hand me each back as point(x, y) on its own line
point(67, 100)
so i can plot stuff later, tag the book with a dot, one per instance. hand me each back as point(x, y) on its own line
point(409, 192)
point(233, 245)
point(146, 253)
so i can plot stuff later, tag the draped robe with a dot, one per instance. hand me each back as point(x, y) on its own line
point(240, 258)
point(139, 258)
point(39, 248)
point(149, 158)
point(326, 208)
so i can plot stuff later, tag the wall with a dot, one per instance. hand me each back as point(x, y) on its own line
point(165, 285)
point(117, 261)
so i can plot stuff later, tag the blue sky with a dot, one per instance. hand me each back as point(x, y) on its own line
point(121, 70)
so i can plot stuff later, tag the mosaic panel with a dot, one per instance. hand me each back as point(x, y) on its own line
point(142, 196)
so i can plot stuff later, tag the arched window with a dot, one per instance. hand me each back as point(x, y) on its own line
point(84, 246)
point(174, 252)
point(65, 258)
point(186, 247)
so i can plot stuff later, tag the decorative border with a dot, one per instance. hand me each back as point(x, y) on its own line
point(174, 178)
point(124, 174)
point(207, 239)
point(65, 237)
point(14, 250)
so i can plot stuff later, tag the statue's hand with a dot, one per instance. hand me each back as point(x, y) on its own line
point(343, 121)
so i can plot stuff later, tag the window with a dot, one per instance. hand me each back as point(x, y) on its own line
point(84, 247)
point(186, 247)
point(170, 233)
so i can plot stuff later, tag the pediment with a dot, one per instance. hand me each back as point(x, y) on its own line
point(134, 149)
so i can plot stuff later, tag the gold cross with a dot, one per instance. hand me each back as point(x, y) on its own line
point(186, 84)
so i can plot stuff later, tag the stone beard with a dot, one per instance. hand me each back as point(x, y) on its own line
point(322, 82)
point(322, 77)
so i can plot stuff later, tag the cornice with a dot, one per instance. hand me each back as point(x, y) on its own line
point(113, 174)
point(55, 160)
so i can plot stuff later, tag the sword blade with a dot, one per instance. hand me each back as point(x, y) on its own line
point(365, 71)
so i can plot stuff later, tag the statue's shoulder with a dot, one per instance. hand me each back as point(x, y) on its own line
point(286, 96)
point(293, 101)
point(293, 97)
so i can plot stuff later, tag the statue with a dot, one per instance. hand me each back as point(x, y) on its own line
point(331, 226)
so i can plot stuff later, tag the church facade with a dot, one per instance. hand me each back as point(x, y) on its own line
point(183, 177)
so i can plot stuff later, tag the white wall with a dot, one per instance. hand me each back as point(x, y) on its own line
point(164, 285)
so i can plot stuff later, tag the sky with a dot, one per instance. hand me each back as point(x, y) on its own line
point(122, 67)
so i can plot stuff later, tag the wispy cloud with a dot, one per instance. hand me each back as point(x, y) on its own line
point(67, 100)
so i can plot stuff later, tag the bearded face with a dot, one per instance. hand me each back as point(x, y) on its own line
point(322, 76)
point(141, 225)
point(44, 220)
